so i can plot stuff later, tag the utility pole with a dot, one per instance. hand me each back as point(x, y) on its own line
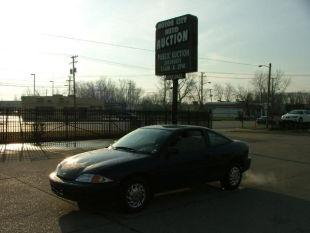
point(268, 94)
point(201, 89)
point(52, 87)
point(268, 97)
point(272, 100)
point(129, 95)
point(165, 93)
point(174, 112)
point(202, 83)
point(72, 71)
point(34, 84)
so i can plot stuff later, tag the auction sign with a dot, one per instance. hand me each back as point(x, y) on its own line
point(176, 45)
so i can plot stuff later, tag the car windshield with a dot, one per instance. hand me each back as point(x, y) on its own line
point(143, 140)
point(296, 112)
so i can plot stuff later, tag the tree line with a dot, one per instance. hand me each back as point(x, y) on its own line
point(194, 92)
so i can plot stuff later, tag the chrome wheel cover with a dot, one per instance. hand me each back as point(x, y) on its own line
point(135, 195)
point(234, 176)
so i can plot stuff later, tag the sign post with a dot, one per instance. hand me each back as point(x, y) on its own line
point(176, 52)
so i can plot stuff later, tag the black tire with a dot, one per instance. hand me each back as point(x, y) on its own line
point(135, 194)
point(232, 178)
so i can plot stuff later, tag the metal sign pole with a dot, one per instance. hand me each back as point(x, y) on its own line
point(176, 52)
point(174, 110)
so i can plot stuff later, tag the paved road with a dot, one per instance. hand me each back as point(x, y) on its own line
point(274, 197)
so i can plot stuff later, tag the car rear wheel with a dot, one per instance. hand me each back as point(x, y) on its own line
point(232, 178)
point(135, 194)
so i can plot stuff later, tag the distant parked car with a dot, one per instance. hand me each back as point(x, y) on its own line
point(149, 160)
point(263, 119)
point(300, 116)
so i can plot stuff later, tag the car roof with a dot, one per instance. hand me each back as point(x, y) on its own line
point(173, 127)
point(181, 127)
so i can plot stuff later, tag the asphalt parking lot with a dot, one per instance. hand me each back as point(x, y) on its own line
point(274, 195)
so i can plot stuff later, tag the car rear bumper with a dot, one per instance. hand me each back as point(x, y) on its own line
point(77, 191)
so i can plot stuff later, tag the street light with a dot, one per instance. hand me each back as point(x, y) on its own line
point(34, 84)
point(268, 92)
point(52, 87)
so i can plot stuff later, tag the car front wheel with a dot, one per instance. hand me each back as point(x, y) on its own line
point(232, 178)
point(135, 194)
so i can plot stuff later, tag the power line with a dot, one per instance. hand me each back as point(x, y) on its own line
point(115, 63)
point(115, 75)
point(232, 73)
point(138, 48)
point(226, 61)
point(20, 85)
point(227, 77)
point(202, 58)
point(209, 76)
point(152, 75)
point(298, 75)
point(142, 75)
point(99, 42)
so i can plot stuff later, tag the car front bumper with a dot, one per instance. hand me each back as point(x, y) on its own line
point(290, 119)
point(77, 191)
point(246, 164)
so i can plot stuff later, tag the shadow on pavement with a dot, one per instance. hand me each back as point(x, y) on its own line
point(203, 209)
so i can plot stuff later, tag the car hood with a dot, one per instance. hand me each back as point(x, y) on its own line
point(72, 167)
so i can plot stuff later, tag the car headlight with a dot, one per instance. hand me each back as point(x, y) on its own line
point(92, 178)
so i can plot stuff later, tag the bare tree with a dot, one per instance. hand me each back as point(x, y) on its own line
point(163, 90)
point(246, 96)
point(151, 101)
point(243, 94)
point(279, 84)
point(199, 92)
point(229, 92)
point(186, 88)
point(298, 97)
point(259, 84)
point(218, 91)
point(108, 91)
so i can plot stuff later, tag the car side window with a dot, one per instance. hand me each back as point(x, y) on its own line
point(216, 139)
point(190, 141)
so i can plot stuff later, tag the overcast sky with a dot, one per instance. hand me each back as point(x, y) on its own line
point(33, 40)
